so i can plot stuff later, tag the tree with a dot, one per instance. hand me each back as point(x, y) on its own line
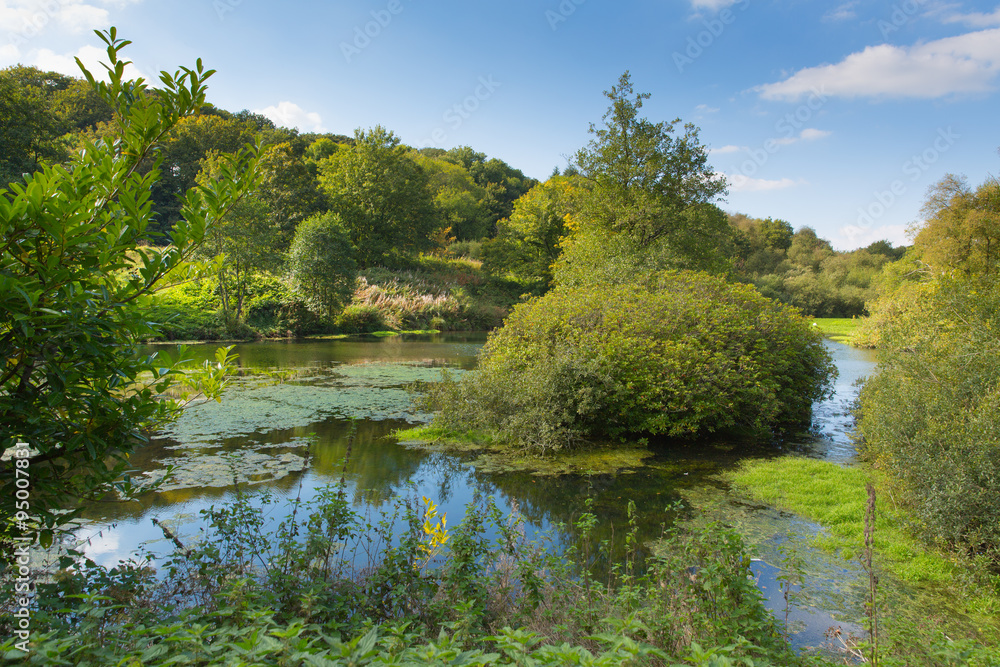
point(644, 177)
point(808, 250)
point(289, 188)
point(962, 227)
point(381, 195)
point(28, 127)
point(461, 202)
point(191, 140)
point(503, 184)
point(74, 385)
point(528, 244)
point(322, 266)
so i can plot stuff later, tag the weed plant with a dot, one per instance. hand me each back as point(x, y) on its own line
point(328, 587)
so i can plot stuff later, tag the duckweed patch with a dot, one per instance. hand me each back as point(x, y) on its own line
point(352, 391)
point(223, 470)
point(495, 457)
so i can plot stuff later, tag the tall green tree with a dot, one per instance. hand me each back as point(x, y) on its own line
point(961, 231)
point(461, 203)
point(381, 195)
point(321, 263)
point(28, 127)
point(503, 184)
point(74, 384)
point(645, 177)
point(181, 154)
point(528, 243)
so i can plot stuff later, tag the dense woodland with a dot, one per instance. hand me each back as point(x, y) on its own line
point(655, 315)
point(393, 216)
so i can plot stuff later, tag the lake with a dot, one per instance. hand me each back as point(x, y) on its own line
point(284, 426)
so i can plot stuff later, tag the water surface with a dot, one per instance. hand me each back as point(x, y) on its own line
point(285, 423)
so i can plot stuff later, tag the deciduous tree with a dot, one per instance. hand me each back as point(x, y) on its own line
point(74, 385)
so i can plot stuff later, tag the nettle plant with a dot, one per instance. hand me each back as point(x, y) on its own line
point(76, 276)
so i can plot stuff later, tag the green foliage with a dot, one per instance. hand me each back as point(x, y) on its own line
point(930, 415)
point(299, 590)
point(38, 112)
point(72, 290)
point(190, 311)
point(321, 263)
point(591, 255)
point(645, 178)
point(803, 270)
point(381, 195)
point(680, 354)
point(962, 228)
point(503, 184)
point(462, 203)
point(181, 152)
point(529, 242)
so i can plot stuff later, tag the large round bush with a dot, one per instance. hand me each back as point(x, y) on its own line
point(681, 354)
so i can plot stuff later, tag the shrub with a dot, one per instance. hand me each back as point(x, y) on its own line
point(930, 415)
point(680, 354)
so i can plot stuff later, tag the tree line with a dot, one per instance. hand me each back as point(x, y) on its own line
point(381, 203)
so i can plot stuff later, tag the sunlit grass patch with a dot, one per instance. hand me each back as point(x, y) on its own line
point(838, 329)
point(835, 496)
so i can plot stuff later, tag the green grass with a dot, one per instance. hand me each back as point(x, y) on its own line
point(835, 497)
point(838, 329)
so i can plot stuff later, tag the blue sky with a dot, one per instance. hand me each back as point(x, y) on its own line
point(836, 116)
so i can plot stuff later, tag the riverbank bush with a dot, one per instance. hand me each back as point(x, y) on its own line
point(679, 354)
point(325, 587)
point(930, 414)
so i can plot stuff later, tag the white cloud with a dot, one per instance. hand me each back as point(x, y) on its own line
point(714, 5)
point(727, 149)
point(704, 108)
point(976, 19)
point(90, 56)
point(25, 19)
point(289, 114)
point(966, 63)
point(844, 12)
point(741, 183)
point(811, 134)
point(854, 236)
point(80, 18)
point(9, 55)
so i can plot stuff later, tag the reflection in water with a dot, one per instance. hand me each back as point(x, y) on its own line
point(327, 381)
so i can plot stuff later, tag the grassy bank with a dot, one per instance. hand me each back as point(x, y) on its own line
point(428, 294)
point(838, 329)
point(945, 591)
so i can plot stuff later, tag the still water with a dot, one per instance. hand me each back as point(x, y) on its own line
point(284, 426)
